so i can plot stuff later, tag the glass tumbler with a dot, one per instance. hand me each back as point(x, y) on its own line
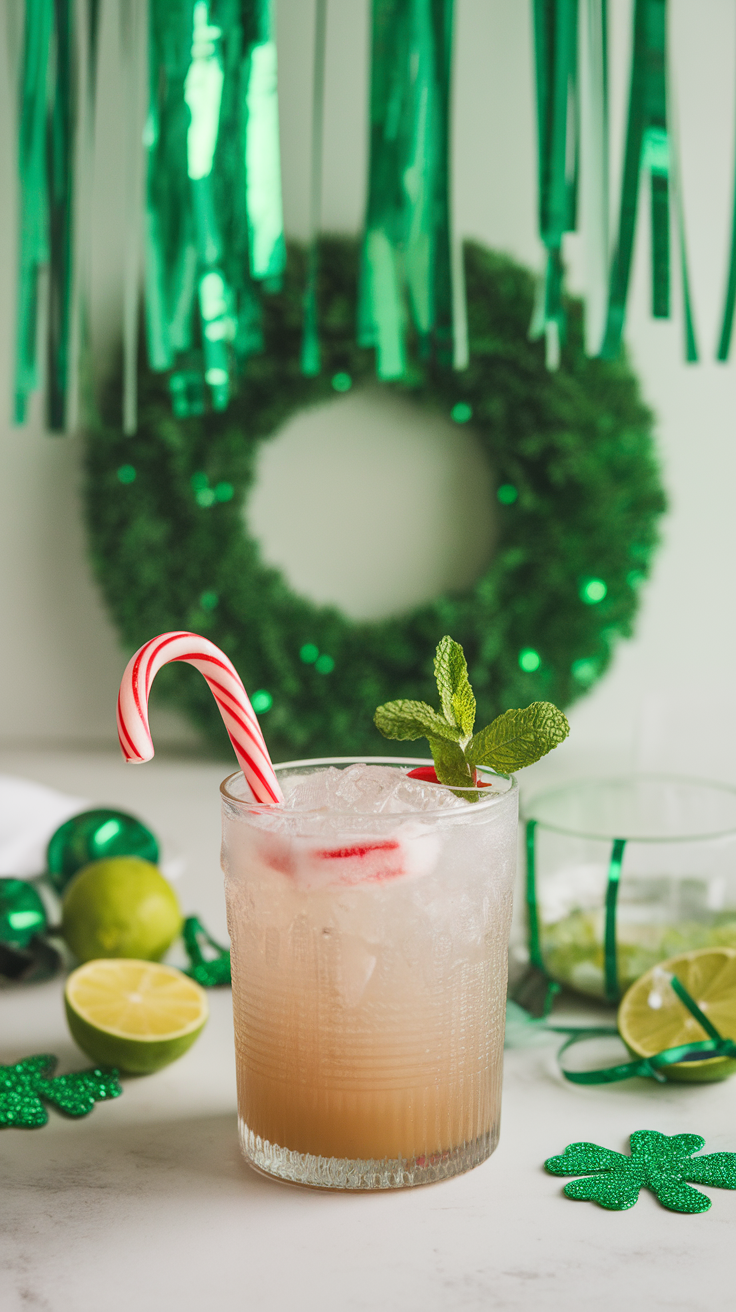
point(624, 873)
point(369, 970)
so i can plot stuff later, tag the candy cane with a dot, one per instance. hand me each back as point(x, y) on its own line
point(227, 689)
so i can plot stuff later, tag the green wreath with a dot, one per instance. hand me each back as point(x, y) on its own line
point(579, 495)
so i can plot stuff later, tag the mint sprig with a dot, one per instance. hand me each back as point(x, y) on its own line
point(515, 739)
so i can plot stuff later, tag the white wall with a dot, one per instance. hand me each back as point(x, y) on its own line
point(59, 659)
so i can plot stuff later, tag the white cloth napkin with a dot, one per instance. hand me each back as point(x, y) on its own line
point(29, 814)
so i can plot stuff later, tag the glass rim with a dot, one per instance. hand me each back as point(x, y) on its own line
point(633, 778)
point(263, 808)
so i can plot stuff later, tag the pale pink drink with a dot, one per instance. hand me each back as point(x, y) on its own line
point(369, 920)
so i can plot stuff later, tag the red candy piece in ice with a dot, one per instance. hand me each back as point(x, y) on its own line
point(428, 774)
point(364, 863)
point(425, 772)
point(341, 852)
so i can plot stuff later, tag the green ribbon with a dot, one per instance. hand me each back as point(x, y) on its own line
point(648, 1067)
point(555, 46)
point(532, 983)
point(611, 984)
point(406, 271)
point(532, 906)
point(648, 145)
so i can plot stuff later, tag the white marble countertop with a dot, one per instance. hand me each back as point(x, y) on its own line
point(146, 1204)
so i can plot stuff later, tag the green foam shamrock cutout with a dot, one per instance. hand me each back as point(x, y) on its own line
point(26, 1086)
point(660, 1162)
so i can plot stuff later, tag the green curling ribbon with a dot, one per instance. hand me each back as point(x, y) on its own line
point(555, 45)
point(648, 145)
point(210, 972)
point(648, 1067)
point(406, 262)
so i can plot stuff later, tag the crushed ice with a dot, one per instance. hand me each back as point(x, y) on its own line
point(366, 790)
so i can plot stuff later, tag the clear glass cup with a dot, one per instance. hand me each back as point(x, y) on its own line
point(624, 873)
point(369, 1015)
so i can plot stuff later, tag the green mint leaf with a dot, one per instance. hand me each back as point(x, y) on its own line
point(453, 685)
point(451, 766)
point(405, 719)
point(518, 738)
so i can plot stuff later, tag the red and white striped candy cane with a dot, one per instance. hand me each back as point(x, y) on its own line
point(227, 689)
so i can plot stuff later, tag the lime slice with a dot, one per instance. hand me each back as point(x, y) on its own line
point(136, 1015)
point(652, 1017)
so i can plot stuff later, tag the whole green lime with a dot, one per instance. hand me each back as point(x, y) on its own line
point(122, 907)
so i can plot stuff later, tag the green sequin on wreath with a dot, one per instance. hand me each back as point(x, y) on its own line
point(579, 497)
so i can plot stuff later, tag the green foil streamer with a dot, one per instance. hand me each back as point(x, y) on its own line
point(82, 384)
point(133, 49)
point(214, 222)
point(48, 124)
point(406, 272)
point(171, 253)
point(594, 167)
point(648, 145)
point(33, 233)
point(62, 129)
point(729, 303)
point(310, 354)
point(555, 45)
point(262, 152)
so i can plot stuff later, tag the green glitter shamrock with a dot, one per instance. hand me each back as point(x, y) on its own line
point(27, 1085)
point(661, 1162)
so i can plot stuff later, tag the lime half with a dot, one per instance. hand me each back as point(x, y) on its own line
point(136, 1015)
point(652, 1017)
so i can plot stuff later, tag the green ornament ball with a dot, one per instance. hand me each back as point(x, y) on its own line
point(93, 836)
point(22, 913)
